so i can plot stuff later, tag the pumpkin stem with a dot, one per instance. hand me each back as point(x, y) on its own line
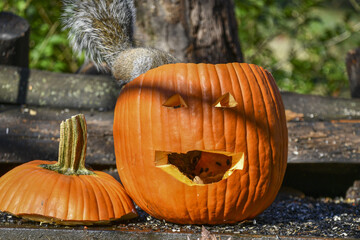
point(72, 148)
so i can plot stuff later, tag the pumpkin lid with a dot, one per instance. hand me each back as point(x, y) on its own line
point(65, 192)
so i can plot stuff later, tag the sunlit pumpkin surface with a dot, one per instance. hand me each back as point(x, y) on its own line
point(201, 143)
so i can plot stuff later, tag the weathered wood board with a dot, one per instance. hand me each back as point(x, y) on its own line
point(49, 89)
point(324, 141)
point(28, 133)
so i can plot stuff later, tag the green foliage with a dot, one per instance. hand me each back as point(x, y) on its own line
point(49, 47)
point(302, 42)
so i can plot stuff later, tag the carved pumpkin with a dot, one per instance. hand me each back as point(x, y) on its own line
point(65, 192)
point(201, 143)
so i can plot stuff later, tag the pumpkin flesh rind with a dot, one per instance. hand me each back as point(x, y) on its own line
point(209, 166)
point(255, 126)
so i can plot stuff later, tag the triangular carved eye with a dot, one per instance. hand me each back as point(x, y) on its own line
point(226, 101)
point(175, 101)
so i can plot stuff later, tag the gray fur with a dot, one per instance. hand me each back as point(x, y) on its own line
point(103, 28)
point(133, 62)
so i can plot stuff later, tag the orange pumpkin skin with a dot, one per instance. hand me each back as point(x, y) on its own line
point(256, 126)
point(35, 193)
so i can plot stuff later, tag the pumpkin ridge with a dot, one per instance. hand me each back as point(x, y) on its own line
point(268, 106)
point(49, 179)
point(165, 121)
point(241, 198)
point(10, 199)
point(265, 128)
point(20, 183)
point(93, 200)
point(87, 196)
point(142, 122)
point(210, 115)
point(270, 157)
point(68, 197)
point(218, 140)
point(255, 171)
point(216, 67)
point(200, 68)
point(254, 88)
point(275, 109)
point(183, 190)
point(281, 115)
point(126, 135)
point(221, 80)
point(206, 114)
point(31, 195)
point(274, 96)
point(139, 121)
point(278, 118)
point(104, 200)
point(137, 87)
point(153, 75)
point(227, 212)
point(113, 190)
point(5, 186)
point(203, 69)
point(120, 134)
point(51, 206)
point(119, 191)
point(240, 72)
point(279, 109)
point(76, 197)
point(253, 95)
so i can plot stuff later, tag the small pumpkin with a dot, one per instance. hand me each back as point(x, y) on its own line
point(201, 143)
point(65, 192)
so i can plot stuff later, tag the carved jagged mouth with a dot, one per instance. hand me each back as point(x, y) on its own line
point(199, 166)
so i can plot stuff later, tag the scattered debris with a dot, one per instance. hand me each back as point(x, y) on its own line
point(32, 112)
point(353, 193)
point(290, 115)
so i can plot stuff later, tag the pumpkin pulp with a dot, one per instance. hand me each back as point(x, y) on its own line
point(72, 148)
point(198, 167)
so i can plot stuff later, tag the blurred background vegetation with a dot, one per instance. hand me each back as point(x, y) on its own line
point(302, 42)
point(49, 47)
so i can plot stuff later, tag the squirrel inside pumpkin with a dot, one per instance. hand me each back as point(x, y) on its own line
point(104, 29)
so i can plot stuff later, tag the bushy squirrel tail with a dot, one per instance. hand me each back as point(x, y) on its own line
point(101, 28)
point(104, 29)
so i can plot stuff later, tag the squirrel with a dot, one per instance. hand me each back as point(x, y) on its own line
point(104, 29)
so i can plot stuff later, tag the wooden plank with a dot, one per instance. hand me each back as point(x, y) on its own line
point(318, 108)
point(113, 232)
point(100, 92)
point(324, 141)
point(50, 89)
point(28, 133)
point(33, 133)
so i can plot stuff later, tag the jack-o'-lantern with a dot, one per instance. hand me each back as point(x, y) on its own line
point(201, 143)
